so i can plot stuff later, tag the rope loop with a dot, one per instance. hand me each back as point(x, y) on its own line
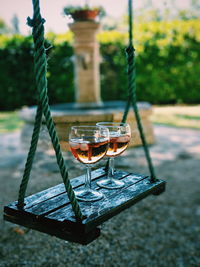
point(35, 22)
point(130, 49)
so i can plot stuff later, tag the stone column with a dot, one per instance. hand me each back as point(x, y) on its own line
point(87, 60)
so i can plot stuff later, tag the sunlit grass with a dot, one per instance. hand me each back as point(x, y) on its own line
point(10, 122)
point(179, 116)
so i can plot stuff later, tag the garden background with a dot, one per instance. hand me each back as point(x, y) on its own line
point(167, 63)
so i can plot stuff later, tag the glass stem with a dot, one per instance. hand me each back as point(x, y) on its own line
point(111, 168)
point(88, 178)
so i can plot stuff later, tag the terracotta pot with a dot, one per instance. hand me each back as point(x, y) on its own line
point(81, 15)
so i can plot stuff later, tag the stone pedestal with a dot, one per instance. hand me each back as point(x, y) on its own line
point(87, 60)
point(67, 115)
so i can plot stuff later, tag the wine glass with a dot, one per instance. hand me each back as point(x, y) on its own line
point(88, 145)
point(120, 135)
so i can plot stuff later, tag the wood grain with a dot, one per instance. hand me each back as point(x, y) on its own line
point(50, 211)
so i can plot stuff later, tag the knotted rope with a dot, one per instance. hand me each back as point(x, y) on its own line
point(40, 64)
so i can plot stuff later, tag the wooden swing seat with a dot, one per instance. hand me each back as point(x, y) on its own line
point(50, 211)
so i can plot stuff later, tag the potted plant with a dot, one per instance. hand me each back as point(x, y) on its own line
point(84, 13)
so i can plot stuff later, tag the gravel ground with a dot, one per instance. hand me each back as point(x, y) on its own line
point(159, 231)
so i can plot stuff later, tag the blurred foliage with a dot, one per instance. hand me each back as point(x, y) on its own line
point(167, 65)
point(17, 87)
point(17, 83)
point(4, 29)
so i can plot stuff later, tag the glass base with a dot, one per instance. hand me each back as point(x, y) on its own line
point(88, 195)
point(110, 183)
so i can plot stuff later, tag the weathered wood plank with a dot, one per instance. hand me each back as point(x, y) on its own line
point(57, 190)
point(108, 194)
point(112, 203)
point(61, 200)
point(50, 211)
point(57, 193)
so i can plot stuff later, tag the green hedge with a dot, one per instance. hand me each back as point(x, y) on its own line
point(17, 84)
point(167, 61)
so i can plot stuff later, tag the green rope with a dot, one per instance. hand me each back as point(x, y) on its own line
point(131, 64)
point(30, 158)
point(40, 63)
point(132, 92)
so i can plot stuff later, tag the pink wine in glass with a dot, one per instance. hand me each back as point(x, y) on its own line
point(120, 135)
point(117, 144)
point(88, 145)
point(88, 152)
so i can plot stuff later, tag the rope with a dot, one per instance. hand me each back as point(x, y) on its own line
point(30, 158)
point(132, 93)
point(40, 64)
point(131, 64)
